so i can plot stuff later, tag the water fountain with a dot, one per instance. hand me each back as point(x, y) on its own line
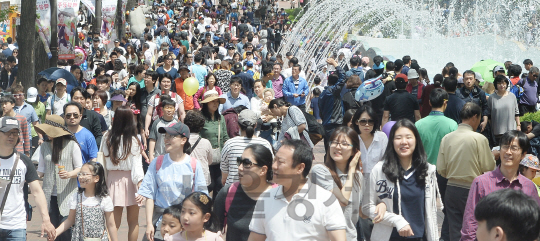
point(433, 32)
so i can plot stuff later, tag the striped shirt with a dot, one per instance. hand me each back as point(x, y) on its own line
point(234, 148)
point(24, 140)
point(486, 184)
point(293, 118)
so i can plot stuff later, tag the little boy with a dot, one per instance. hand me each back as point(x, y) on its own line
point(315, 104)
point(507, 214)
point(156, 147)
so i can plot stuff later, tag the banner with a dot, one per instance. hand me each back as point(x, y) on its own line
point(108, 16)
point(91, 5)
point(67, 24)
point(43, 24)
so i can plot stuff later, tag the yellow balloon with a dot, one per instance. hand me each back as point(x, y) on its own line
point(191, 85)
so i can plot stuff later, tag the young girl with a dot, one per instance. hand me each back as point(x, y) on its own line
point(198, 220)
point(91, 207)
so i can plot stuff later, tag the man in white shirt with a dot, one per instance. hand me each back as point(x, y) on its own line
point(297, 209)
point(288, 72)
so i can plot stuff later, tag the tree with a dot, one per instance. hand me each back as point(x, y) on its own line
point(96, 27)
point(26, 75)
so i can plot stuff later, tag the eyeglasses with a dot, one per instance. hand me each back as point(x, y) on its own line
point(18, 95)
point(246, 162)
point(368, 122)
point(343, 145)
point(74, 115)
point(84, 174)
point(514, 149)
point(13, 133)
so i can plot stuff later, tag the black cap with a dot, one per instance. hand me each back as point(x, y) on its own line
point(237, 66)
point(175, 129)
point(96, 39)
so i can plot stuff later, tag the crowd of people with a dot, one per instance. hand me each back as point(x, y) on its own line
point(234, 160)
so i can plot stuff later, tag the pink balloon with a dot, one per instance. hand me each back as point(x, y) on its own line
point(387, 127)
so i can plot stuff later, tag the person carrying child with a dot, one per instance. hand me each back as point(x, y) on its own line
point(91, 208)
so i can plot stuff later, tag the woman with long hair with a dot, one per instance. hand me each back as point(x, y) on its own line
point(131, 55)
point(247, 121)
point(215, 130)
point(171, 177)
point(60, 160)
point(294, 123)
point(406, 183)
point(122, 152)
point(255, 176)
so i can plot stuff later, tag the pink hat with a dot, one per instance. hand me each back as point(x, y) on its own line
point(365, 59)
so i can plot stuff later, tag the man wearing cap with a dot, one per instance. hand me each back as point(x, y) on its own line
point(117, 45)
point(414, 86)
point(527, 102)
point(13, 223)
point(401, 104)
point(295, 88)
point(207, 30)
point(55, 103)
point(230, 52)
point(39, 108)
point(247, 79)
point(472, 93)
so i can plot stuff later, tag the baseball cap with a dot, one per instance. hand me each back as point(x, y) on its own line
point(412, 74)
point(31, 94)
point(401, 78)
point(237, 66)
point(249, 63)
point(183, 67)
point(8, 123)
point(207, 26)
point(531, 161)
point(230, 46)
point(175, 129)
point(498, 68)
point(234, 38)
point(460, 80)
point(398, 64)
point(249, 53)
point(117, 41)
point(61, 81)
point(247, 117)
point(478, 77)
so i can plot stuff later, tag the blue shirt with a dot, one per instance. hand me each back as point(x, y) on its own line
point(234, 102)
point(173, 72)
point(27, 111)
point(200, 73)
point(44, 98)
point(87, 141)
point(173, 182)
point(289, 89)
point(315, 107)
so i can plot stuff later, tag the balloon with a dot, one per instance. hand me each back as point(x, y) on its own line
point(387, 127)
point(127, 12)
point(80, 55)
point(191, 85)
point(369, 89)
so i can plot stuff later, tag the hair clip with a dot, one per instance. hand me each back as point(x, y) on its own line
point(204, 199)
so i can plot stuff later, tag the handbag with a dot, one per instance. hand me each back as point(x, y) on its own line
point(216, 153)
point(7, 184)
point(82, 221)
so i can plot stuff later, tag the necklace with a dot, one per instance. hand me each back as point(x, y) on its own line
point(203, 233)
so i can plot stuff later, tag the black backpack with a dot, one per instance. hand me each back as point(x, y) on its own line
point(315, 129)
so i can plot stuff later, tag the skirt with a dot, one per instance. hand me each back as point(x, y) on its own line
point(121, 188)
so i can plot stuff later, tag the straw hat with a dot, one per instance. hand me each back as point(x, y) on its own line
point(53, 127)
point(212, 95)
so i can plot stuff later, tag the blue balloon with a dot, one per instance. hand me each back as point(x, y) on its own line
point(369, 89)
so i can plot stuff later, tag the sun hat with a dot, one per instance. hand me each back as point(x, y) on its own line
point(412, 74)
point(54, 126)
point(175, 129)
point(8, 123)
point(31, 94)
point(118, 98)
point(531, 161)
point(212, 95)
point(247, 117)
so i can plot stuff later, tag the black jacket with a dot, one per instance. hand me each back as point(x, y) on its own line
point(92, 121)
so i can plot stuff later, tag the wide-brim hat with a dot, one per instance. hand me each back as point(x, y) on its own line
point(53, 127)
point(212, 95)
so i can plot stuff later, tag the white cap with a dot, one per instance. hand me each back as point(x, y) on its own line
point(478, 77)
point(31, 94)
point(412, 74)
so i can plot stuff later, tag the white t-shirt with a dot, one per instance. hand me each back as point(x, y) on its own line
point(105, 203)
point(306, 217)
point(58, 104)
point(153, 102)
point(14, 214)
point(153, 47)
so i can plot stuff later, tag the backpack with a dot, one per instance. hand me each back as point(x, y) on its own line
point(193, 164)
point(52, 102)
point(159, 108)
point(517, 91)
point(315, 129)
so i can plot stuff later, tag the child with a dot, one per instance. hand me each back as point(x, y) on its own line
point(93, 202)
point(156, 146)
point(315, 103)
point(198, 220)
point(528, 167)
point(170, 221)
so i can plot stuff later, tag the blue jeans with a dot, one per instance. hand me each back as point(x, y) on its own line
point(13, 235)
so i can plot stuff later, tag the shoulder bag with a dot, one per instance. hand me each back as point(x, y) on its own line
point(7, 184)
point(216, 153)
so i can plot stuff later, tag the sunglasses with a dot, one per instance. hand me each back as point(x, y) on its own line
point(74, 115)
point(368, 122)
point(246, 162)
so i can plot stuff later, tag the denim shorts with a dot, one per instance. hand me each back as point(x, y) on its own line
point(13, 234)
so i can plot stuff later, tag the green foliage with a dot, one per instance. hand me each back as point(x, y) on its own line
point(294, 13)
point(531, 117)
point(4, 14)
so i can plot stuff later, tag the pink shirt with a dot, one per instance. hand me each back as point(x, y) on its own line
point(277, 85)
point(484, 185)
point(208, 236)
